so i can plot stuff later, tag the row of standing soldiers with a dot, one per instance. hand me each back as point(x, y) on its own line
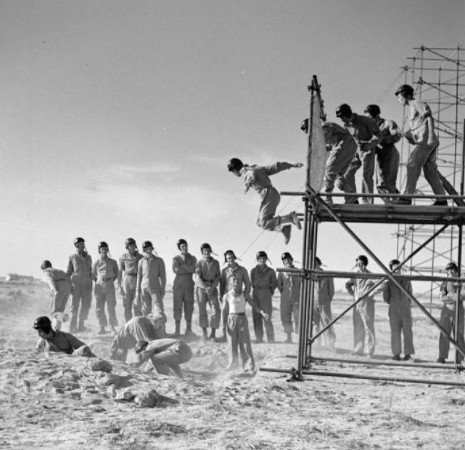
point(142, 282)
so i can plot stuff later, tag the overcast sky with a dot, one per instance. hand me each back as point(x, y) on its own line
point(118, 117)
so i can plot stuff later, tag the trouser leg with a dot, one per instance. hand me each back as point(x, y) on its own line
point(359, 330)
point(268, 309)
point(146, 302)
point(267, 218)
point(407, 329)
point(257, 320)
point(202, 304)
point(128, 303)
point(347, 182)
point(395, 322)
point(86, 302)
point(100, 299)
point(430, 170)
point(368, 169)
point(325, 319)
point(232, 331)
point(178, 297)
point(111, 305)
point(215, 317)
point(188, 303)
point(446, 323)
point(285, 308)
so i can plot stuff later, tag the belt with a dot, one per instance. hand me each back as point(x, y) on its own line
point(237, 314)
point(131, 274)
point(107, 279)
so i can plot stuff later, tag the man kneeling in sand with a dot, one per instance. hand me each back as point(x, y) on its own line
point(137, 329)
point(166, 355)
point(58, 341)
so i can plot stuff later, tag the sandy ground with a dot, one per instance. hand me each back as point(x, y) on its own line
point(56, 401)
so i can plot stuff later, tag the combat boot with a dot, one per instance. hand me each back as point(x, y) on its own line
point(81, 328)
point(177, 330)
point(204, 334)
point(212, 334)
point(189, 331)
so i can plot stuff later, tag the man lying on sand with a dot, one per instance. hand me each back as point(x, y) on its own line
point(58, 341)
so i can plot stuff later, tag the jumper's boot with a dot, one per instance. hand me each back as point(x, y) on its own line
point(286, 230)
point(212, 334)
point(204, 334)
point(189, 331)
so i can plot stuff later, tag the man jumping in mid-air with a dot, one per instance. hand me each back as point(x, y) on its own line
point(257, 177)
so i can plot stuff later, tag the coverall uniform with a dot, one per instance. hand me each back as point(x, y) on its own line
point(322, 316)
point(364, 315)
point(151, 283)
point(135, 330)
point(448, 295)
point(60, 286)
point(423, 155)
point(363, 129)
point(264, 283)
point(400, 316)
point(243, 282)
point(257, 178)
point(208, 275)
point(105, 273)
point(183, 286)
point(128, 280)
point(167, 354)
point(342, 149)
point(79, 271)
point(65, 343)
point(289, 286)
point(234, 307)
point(388, 155)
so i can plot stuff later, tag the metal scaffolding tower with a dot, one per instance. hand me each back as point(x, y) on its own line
point(438, 77)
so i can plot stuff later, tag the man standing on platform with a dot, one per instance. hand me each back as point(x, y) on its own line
point(422, 135)
point(366, 133)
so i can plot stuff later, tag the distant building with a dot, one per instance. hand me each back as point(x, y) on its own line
point(19, 278)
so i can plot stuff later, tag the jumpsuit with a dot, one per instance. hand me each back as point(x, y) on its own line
point(289, 287)
point(400, 317)
point(264, 283)
point(234, 307)
point(388, 155)
point(208, 275)
point(151, 282)
point(128, 277)
point(104, 273)
point(363, 129)
point(423, 155)
point(448, 293)
point(64, 343)
point(342, 149)
point(322, 316)
point(257, 178)
point(79, 271)
point(364, 315)
point(166, 354)
point(60, 289)
point(183, 286)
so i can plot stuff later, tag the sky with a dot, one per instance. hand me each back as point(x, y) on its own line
point(118, 117)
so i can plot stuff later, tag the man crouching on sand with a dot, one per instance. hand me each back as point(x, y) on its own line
point(166, 355)
point(58, 341)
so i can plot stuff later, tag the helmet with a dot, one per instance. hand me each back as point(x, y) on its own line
point(261, 254)
point(43, 323)
point(205, 246)
point(393, 262)
point(180, 242)
point(235, 164)
point(229, 252)
point(343, 110)
point(102, 244)
point(373, 110)
point(146, 244)
point(129, 241)
point(364, 259)
point(78, 240)
point(45, 264)
point(318, 261)
point(405, 90)
point(286, 255)
point(452, 266)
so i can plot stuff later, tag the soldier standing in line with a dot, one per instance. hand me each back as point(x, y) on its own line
point(322, 315)
point(183, 287)
point(387, 154)
point(104, 274)
point(79, 270)
point(60, 289)
point(243, 282)
point(151, 282)
point(263, 279)
point(366, 133)
point(289, 287)
point(207, 278)
point(258, 178)
point(400, 314)
point(127, 278)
